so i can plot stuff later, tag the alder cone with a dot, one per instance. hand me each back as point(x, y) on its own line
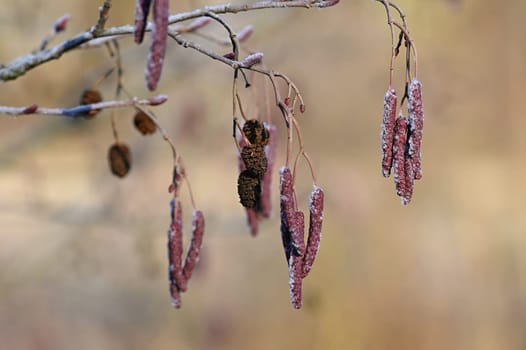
point(255, 159)
point(89, 97)
point(119, 157)
point(144, 124)
point(255, 132)
point(249, 189)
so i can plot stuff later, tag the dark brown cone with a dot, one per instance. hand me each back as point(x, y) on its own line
point(249, 189)
point(119, 157)
point(255, 132)
point(88, 97)
point(144, 123)
point(255, 159)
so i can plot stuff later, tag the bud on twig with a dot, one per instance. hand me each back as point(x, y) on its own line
point(245, 33)
point(252, 60)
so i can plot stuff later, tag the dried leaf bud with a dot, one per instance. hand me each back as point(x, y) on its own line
point(30, 109)
point(255, 132)
point(154, 64)
point(89, 97)
point(387, 134)
point(248, 189)
point(315, 225)
point(61, 23)
point(399, 146)
point(144, 123)
point(175, 246)
point(142, 9)
point(245, 33)
point(252, 59)
point(192, 256)
point(229, 55)
point(158, 100)
point(119, 158)
point(254, 159)
point(416, 125)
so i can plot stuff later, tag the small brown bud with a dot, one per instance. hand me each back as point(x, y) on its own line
point(144, 123)
point(90, 97)
point(302, 108)
point(119, 158)
point(61, 23)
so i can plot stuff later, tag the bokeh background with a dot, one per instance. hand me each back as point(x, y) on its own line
point(83, 254)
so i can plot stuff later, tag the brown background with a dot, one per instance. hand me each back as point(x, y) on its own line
point(83, 255)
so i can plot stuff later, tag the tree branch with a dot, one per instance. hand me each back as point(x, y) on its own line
point(23, 64)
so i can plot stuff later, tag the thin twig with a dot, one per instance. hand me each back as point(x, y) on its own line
point(82, 110)
point(23, 64)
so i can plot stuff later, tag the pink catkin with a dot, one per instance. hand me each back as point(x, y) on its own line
point(387, 134)
point(175, 246)
point(176, 296)
point(315, 225)
point(142, 9)
point(296, 262)
point(286, 209)
point(416, 125)
point(154, 64)
point(266, 181)
point(400, 141)
point(289, 214)
point(409, 181)
point(192, 256)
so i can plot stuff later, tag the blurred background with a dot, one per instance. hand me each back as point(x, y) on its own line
point(83, 254)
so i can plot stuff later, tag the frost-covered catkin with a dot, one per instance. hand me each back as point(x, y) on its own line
point(192, 256)
point(289, 214)
point(142, 9)
point(416, 125)
point(154, 64)
point(175, 246)
point(400, 141)
point(315, 225)
point(409, 181)
point(286, 209)
point(296, 261)
point(387, 134)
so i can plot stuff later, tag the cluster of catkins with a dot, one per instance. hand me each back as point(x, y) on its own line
point(299, 257)
point(256, 161)
point(401, 140)
point(179, 273)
